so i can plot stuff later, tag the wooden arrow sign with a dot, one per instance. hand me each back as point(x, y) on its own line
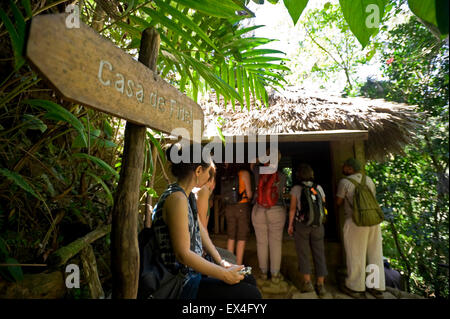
point(88, 69)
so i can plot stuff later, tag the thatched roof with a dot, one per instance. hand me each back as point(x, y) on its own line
point(390, 125)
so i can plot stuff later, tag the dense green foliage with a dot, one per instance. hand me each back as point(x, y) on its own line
point(414, 188)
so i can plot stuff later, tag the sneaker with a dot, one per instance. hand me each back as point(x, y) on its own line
point(261, 279)
point(376, 293)
point(352, 293)
point(307, 287)
point(321, 291)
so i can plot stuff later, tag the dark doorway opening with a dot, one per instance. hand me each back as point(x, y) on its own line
point(318, 156)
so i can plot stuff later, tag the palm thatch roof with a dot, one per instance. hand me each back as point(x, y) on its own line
point(390, 125)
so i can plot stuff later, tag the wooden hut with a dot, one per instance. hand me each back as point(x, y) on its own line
point(322, 130)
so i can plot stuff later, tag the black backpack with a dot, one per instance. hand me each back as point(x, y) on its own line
point(155, 280)
point(229, 189)
point(312, 212)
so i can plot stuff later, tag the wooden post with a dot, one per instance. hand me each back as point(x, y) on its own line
point(124, 242)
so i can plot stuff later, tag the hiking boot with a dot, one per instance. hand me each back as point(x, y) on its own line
point(261, 279)
point(307, 287)
point(277, 278)
point(376, 293)
point(278, 287)
point(321, 291)
point(352, 293)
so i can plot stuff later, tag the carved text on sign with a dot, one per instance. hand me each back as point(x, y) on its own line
point(135, 89)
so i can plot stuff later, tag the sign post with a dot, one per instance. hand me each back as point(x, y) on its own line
point(87, 69)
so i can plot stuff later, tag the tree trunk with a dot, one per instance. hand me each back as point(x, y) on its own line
point(402, 256)
point(91, 273)
point(124, 241)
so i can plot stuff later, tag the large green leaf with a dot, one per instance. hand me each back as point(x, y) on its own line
point(97, 161)
point(363, 17)
point(215, 81)
point(186, 22)
point(57, 112)
point(237, 33)
point(34, 123)
point(246, 43)
point(261, 52)
point(19, 181)
point(442, 9)
point(27, 5)
point(216, 8)
point(267, 66)
point(246, 88)
point(426, 10)
point(264, 59)
point(169, 23)
point(295, 8)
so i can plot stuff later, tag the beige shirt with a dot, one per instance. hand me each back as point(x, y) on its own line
point(346, 190)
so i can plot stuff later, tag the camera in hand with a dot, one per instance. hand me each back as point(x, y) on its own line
point(245, 271)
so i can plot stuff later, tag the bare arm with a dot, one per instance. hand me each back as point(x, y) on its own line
point(208, 245)
point(292, 209)
point(340, 193)
point(247, 183)
point(176, 216)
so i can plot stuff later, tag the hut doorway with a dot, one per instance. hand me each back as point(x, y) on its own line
point(318, 156)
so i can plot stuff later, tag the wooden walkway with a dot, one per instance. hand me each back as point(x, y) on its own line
point(292, 277)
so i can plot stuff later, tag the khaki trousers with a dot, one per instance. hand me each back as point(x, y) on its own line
point(269, 225)
point(363, 246)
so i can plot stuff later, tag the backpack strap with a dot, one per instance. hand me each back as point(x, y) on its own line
point(363, 180)
point(353, 181)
